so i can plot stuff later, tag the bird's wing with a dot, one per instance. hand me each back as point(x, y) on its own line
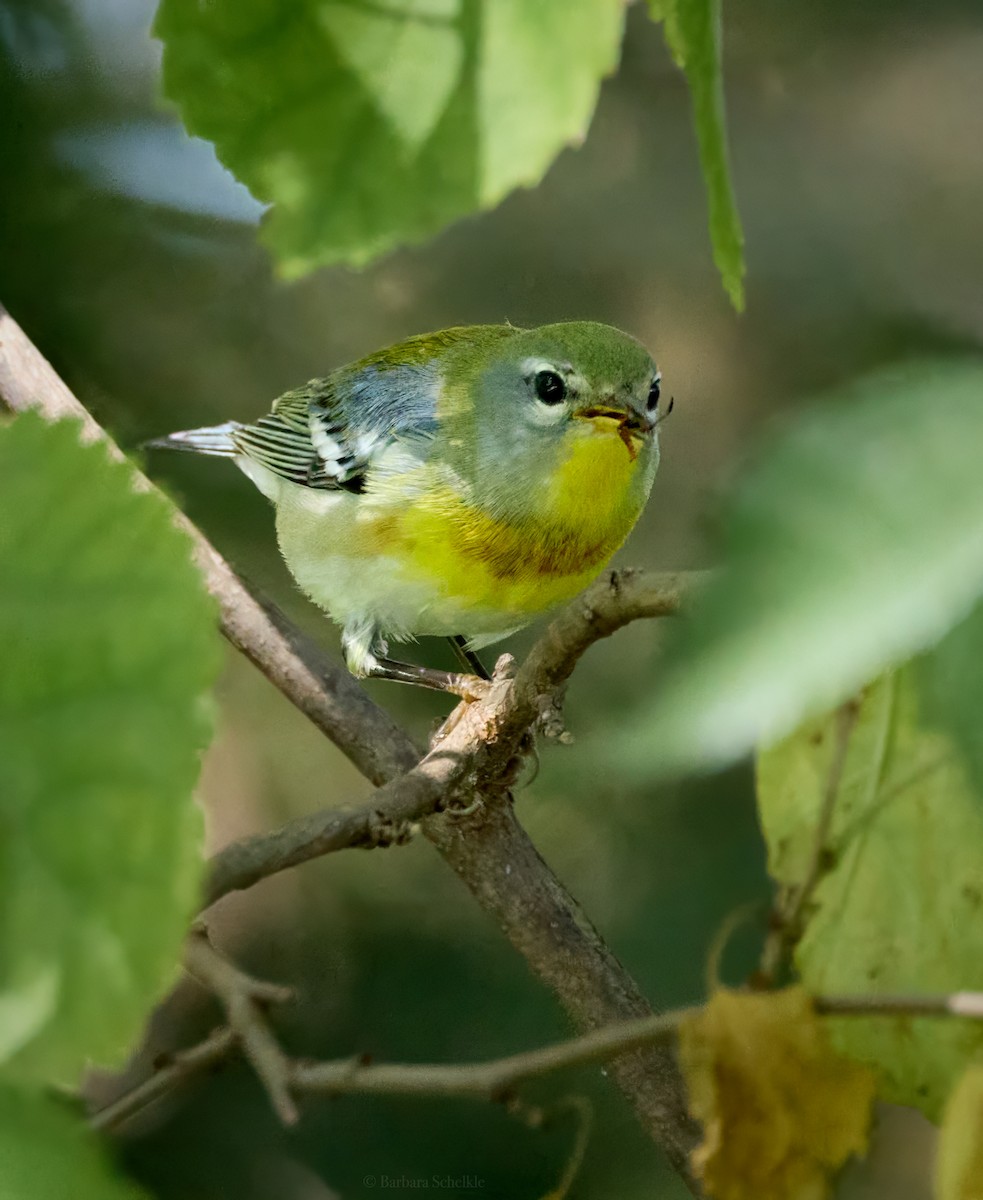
point(327, 433)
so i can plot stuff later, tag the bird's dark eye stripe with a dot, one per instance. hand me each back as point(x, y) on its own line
point(655, 391)
point(549, 387)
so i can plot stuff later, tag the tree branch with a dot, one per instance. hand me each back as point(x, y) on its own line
point(245, 1000)
point(489, 849)
point(485, 740)
point(955, 1004)
point(176, 1069)
point(492, 1080)
point(495, 1079)
point(611, 602)
point(504, 871)
point(385, 819)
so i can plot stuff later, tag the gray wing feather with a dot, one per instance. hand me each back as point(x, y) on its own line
point(327, 433)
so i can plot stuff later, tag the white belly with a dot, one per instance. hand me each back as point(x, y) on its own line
point(318, 532)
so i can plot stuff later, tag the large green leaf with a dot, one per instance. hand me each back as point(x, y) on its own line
point(899, 907)
point(693, 32)
point(370, 124)
point(46, 1153)
point(855, 540)
point(108, 644)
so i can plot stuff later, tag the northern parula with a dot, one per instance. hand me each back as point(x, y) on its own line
point(459, 483)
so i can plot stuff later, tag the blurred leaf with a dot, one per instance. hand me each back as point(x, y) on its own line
point(898, 907)
point(371, 125)
point(407, 55)
point(959, 1159)
point(47, 1153)
point(855, 540)
point(780, 1110)
point(950, 680)
point(108, 643)
point(693, 32)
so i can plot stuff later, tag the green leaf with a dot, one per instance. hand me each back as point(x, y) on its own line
point(959, 1159)
point(46, 1153)
point(366, 126)
point(855, 541)
point(108, 645)
point(406, 54)
point(693, 32)
point(950, 679)
point(899, 905)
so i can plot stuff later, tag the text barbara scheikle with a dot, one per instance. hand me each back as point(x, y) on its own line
point(445, 1183)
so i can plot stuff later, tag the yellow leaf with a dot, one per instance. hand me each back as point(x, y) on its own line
point(780, 1110)
point(959, 1164)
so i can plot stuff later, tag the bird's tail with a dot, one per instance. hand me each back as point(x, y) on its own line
point(213, 439)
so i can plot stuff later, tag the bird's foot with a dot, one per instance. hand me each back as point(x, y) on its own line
point(504, 670)
point(467, 687)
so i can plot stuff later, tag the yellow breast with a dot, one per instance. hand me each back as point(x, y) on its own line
point(578, 520)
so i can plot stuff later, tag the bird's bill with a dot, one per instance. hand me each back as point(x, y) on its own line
point(623, 421)
point(630, 426)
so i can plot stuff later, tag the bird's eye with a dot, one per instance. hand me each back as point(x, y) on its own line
point(549, 387)
point(655, 391)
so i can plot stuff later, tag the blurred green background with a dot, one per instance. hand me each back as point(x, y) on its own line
point(130, 257)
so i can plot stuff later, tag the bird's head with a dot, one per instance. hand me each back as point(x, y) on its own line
point(579, 398)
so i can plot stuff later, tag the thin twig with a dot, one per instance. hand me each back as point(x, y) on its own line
point(495, 1079)
point(492, 1080)
point(614, 600)
point(743, 914)
point(177, 1069)
point(245, 1000)
point(956, 1004)
point(583, 1113)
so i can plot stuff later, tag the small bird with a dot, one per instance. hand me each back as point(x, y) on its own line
point(457, 484)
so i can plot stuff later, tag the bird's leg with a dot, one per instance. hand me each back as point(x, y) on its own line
point(467, 658)
point(468, 687)
point(366, 654)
